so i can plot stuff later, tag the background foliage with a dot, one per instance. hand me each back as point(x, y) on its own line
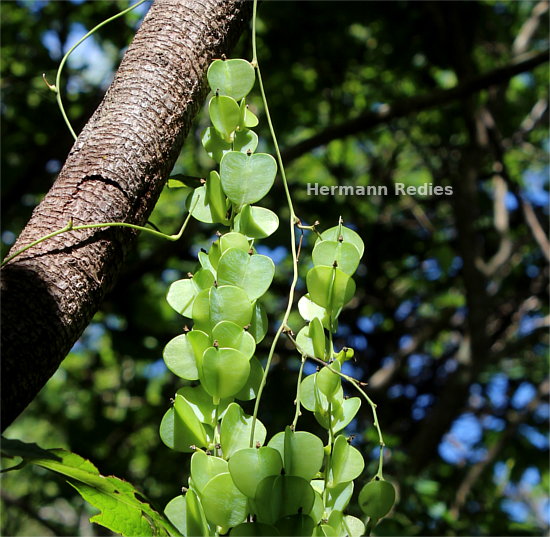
point(451, 312)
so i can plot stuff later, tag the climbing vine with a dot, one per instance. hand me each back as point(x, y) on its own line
point(241, 482)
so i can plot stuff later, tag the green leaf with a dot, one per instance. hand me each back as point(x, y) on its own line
point(224, 372)
point(302, 452)
point(229, 334)
point(250, 465)
point(377, 498)
point(195, 520)
point(347, 234)
point(258, 324)
point(179, 358)
point(224, 114)
point(346, 463)
point(182, 293)
point(175, 512)
point(338, 496)
point(214, 145)
point(233, 77)
point(317, 335)
point(122, 507)
point(255, 529)
point(247, 118)
point(224, 303)
point(224, 504)
point(204, 467)
point(295, 525)
point(250, 390)
point(353, 526)
point(330, 288)
point(344, 254)
point(309, 311)
point(226, 241)
point(235, 431)
point(350, 407)
point(253, 273)
point(198, 206)
point(256, 222)
point(245, 141)
point(216, 198)
point(188, 430)
point(327, 381)
point(202, 404)
point(283, 495)
point(247, 178)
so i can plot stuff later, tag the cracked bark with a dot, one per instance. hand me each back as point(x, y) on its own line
point(114, 173)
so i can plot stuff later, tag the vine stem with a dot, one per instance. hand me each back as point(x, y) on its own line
point(292, 222)
point(357, 386)
point(56, 88)
point(71, 227)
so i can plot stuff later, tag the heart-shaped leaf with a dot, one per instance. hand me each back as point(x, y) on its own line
point(228, 334)
point(235, 431)
point(224, 372)
point(309, 311)
point(223, 503)
point(180, 427)
point(247, 119)
point(202, 404)
point(204, 467)
point(302, 452)
point(330, 288)
point(283, 495)
point(346, 234)
point(226, 241)
point(256, 222)
point(249, 466)
point(175, 512)
point(344, 255)
point(346, 463)
point(247, 178)
point(224, 114)
point(253, 273)
point(353, 526)
point(224, 303)
point(377, 498)
point(329, 382)
point(318, 339)
point(295, 525)
point(198, 206)
point(179, 358)
point(195, 522)
point(233, 77)
point(214, 145)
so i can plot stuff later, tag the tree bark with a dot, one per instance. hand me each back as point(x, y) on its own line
point(114, 173)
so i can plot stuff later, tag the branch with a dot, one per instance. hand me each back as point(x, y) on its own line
point(415, 104)
point(114, 173)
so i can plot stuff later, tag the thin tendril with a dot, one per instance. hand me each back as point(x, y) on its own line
point(70, 51)
point(292, 222)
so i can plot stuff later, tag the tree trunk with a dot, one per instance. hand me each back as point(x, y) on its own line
point(114, 173)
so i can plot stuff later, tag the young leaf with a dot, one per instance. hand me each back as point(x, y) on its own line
point(247, 178)
point(235, 431)
point(330, 288)
point(214, 145)
point(202, 404)
point(245, 141)
point(377, 498)
point(309, 311)
point(253, 273)
point(347, 462)
point(256, 222)
point(195, 520)
point(329, 382)
point(204, 467)
point(283, 495)
point(317, 335)
point(231, 335)
point(179, 358)
point(344, 254)
point(224, 372)
point(250, 465)
point(302, 452)
point(233, 77)
point(346, 234)
point(216, 198)
point(224, 114)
